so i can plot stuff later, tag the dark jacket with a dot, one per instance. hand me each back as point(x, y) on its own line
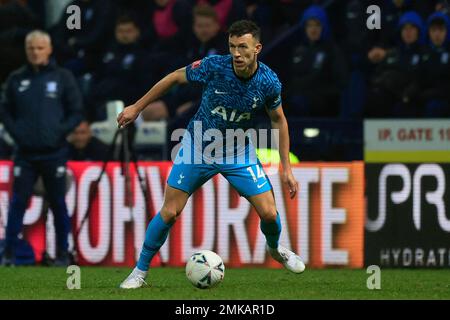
point(122, 74)
point(435, 67)
point(39, 109)
point(317, 67)
point(97, 23)
point(398, 73)
point(195, 50)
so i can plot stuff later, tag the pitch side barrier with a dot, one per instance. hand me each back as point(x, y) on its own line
point(324, 223)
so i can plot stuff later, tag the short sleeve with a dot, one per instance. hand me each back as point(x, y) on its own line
point(199, 71)
point(273, 99)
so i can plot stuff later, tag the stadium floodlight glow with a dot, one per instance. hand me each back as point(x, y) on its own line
point(311, 132)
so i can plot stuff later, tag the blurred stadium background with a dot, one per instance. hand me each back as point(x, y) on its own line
point(368, 110)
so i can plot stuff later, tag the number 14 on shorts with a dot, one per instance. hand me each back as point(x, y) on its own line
point(259, 172)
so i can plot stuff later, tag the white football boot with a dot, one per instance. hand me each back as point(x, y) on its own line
point(135, 280)
point(289, 259)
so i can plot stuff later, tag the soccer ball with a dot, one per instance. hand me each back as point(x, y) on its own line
point(205, 269)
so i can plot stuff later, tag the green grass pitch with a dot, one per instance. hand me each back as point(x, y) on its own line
point(255, 283)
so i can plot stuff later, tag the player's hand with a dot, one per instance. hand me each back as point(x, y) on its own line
point(288, 178)
point(127, 116)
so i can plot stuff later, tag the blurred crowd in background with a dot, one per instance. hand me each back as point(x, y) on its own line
point(331, 65)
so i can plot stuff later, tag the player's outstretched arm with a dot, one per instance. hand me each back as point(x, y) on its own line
point(278, 121)
point(130, 113)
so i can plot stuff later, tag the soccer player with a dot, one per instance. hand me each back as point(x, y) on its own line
point(235, 87)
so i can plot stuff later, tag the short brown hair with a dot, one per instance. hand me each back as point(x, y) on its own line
point(241, 27)
point(205, 10)
point(126, 18)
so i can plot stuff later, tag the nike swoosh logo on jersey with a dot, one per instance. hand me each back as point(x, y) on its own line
point(220, 92)
point(259, 186)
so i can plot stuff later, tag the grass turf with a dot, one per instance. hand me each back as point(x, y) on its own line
point(256, 283)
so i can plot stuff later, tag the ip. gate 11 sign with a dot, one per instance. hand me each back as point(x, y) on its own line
point(407, 140)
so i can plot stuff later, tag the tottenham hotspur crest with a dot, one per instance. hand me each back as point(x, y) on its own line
point(255, 102)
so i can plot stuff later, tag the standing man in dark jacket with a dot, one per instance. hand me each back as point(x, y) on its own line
point(40, 106)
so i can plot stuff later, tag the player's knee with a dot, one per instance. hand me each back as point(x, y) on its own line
point(268, 214)
point(169, 214)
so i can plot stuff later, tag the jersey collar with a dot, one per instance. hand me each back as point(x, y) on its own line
point(242, 78)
